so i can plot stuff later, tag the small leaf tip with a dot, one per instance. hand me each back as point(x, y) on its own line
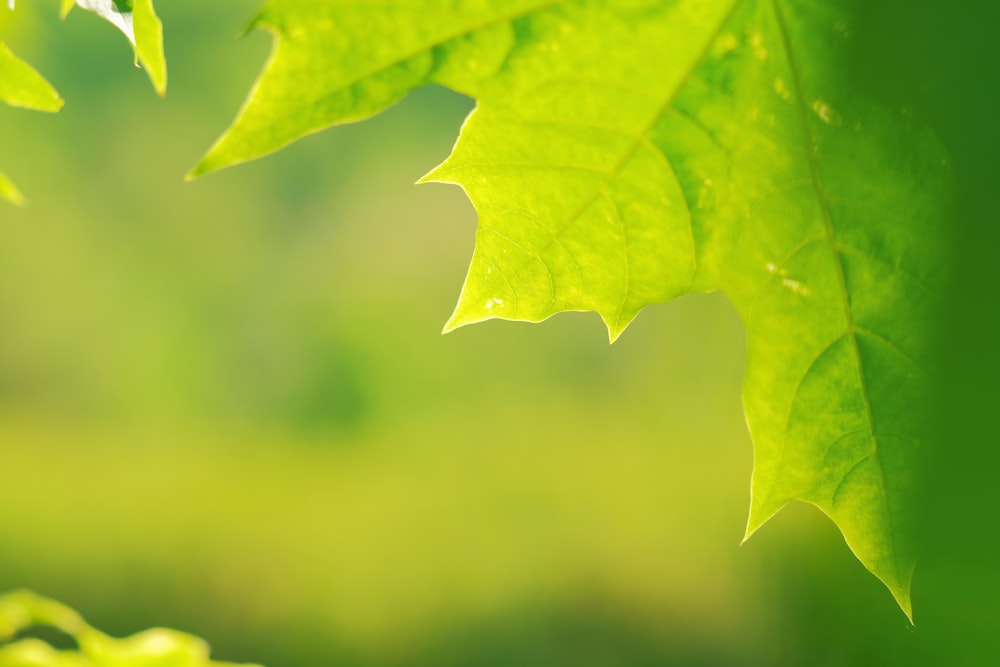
point(457, 321)
point(434, 175)
point(203, 167)
point(757, 518)
point(902, 596)
point(616, 327)
point(159, 84)
point(429, 177)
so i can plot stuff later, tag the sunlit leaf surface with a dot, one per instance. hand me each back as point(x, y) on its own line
point(624, 153)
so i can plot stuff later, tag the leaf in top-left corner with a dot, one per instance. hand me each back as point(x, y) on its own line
point(21, 86)
point(137, 20)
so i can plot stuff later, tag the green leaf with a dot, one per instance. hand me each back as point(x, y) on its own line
point(624, 153)
point(139, 23)
point(149, 44)
point(22, 86)
point(158, 647)
point(836, 266)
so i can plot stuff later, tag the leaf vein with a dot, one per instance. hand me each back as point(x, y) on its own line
point(892, 346)
point(531, 253)
point(643, 135)
point(898, 268)
point(843, 480)
point(540, 223)
point(776, 270)
point(824, 205)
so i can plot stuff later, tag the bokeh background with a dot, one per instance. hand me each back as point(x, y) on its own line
point(226, 406)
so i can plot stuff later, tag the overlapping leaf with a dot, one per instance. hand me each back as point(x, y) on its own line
point(624, 152)
point(139, 23)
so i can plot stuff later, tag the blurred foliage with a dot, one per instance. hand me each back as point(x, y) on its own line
point(23, 612)
point(225, 407)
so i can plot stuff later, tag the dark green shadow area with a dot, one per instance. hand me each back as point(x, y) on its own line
point(944, 60)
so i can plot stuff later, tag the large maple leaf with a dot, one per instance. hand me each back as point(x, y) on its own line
point(625, 152)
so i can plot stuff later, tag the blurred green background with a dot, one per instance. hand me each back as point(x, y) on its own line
point(226, 406)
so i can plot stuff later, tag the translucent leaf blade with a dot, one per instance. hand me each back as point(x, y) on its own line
point(619, 236)
point(624, 153)
point(149, 44)
point(140, 25)
point(350, 71)
point(22, 86)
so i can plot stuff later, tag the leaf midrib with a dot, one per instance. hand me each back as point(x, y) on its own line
point(824, 205)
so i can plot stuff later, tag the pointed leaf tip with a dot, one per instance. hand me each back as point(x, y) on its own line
point(433, 176)
point(905, 603)
point(208, 164)
point(617, 324)
point(9, 192)
point(450, 326)
point(464, 316)
point(758, 517)
point(22, 86)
